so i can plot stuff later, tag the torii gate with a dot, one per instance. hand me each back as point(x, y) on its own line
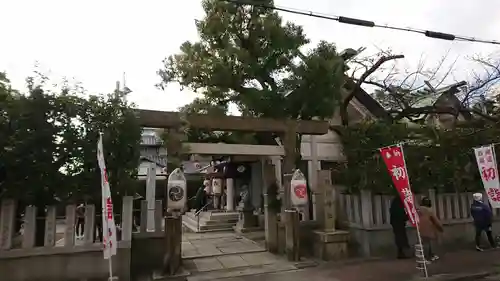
point(286, 128)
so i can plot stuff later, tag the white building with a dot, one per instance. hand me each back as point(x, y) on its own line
point(152, 151)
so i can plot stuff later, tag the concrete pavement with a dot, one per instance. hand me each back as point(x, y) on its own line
point(463, 263)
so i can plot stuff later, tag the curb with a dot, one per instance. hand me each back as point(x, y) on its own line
point(456, 277)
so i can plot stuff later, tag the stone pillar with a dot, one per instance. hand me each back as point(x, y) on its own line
point(328, 215)
point(29, 227)
point(329, 243)
point(314, 165)
point(230, 194)
point(151, 196)
point(50, 227)
point(7, 223)
point(69, 232)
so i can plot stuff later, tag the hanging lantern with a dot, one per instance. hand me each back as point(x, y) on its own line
point(176, 190)
point(298, 186)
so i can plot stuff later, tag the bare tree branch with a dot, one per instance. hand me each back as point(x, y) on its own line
point(357, 86)
point(407, 112)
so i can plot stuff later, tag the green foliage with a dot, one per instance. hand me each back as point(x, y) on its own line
point(248, 57)
point(48, 144)
point(439, 159)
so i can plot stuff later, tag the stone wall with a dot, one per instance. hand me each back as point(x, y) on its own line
point(62, 257)
point(366, 216)
point(62, 264)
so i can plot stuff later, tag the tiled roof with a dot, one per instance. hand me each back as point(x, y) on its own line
point(159, 160)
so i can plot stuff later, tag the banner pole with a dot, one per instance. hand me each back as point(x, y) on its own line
point(110, 259)
point(110, 263)
point(417, 221)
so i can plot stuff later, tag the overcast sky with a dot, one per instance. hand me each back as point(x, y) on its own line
point(94, 42)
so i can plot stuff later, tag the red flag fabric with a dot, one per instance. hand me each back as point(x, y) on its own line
point(395, 161)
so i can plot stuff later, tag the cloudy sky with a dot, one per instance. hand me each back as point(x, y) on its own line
point(95, 42)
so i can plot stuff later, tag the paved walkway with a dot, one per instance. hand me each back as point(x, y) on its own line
point(216, 244)
point(386, 270)
point(212, 256)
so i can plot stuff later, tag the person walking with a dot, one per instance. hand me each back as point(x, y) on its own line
point(200, 198)
point(398, 220)
point(80, 221)
point(482, 216)
point(430, 228)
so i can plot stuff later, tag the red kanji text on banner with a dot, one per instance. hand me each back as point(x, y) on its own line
point(487, 164)
point(108, 220)
point(394, 160)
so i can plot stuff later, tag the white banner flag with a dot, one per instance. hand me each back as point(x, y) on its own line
point(108, 220)
point(487, 164)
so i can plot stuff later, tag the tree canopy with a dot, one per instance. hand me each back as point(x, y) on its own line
point(249, 57)
point(412, 93)
point(435, 158)
point(48, 144)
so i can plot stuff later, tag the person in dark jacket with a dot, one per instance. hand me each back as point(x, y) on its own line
point(398, 222)
point(200, 198)
point(482, 215)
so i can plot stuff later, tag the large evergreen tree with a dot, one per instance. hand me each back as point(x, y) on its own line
point(248, 56)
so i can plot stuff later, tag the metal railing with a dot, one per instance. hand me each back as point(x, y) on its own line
point(197, 214)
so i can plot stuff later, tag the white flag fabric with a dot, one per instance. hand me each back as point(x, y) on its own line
point(487, 164)
point(108, 219)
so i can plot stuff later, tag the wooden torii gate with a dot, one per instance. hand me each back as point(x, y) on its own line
point(286, 128)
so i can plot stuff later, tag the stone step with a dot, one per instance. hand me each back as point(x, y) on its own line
point(192, 225)
point(219, 216)
point(241, 271)
point(207, 221)
point(215, 214)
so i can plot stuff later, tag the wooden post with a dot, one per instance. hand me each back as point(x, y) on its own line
point(290, 217)
point(314, 165)
point(173, 219)
point(290, 146)
point(173, 236)
point(292, 224)
point(271, 226)
point(270, 214)
point(292, 235)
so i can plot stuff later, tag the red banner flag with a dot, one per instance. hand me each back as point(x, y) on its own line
point(395, 161)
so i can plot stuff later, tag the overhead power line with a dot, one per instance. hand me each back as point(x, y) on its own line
point(366, 23)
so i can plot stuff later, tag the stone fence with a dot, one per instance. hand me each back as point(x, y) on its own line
point(367, 217)
point(63, 256)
